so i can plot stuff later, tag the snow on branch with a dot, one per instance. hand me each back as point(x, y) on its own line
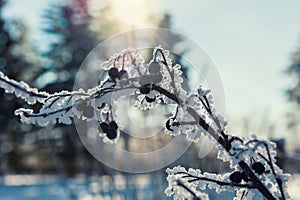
point(154, 84)
point(22, 90)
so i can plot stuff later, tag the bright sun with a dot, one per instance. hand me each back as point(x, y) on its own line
point(134, 13)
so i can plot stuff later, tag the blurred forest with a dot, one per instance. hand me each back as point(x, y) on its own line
point(293, 92)
point(73, 32)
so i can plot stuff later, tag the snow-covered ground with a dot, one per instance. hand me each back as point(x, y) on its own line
point(35, 187)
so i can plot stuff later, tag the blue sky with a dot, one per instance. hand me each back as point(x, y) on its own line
point(249, 41)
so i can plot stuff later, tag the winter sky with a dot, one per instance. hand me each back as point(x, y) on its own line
point(250, 42)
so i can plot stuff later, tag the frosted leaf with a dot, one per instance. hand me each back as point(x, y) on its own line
point(176, 190)
point(42, 121)
point(61, 107)
point(64, 120)
point(195, 180)
point(194, 135)
point(25, 119)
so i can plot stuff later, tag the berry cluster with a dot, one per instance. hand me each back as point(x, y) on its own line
point(258, 167)
point(114, 74)
point(109, 129)
point(237, 176)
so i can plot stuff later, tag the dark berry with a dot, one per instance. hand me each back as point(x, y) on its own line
point(113, 124)
point(88, 112)
point(81, 106)
point(236, 177)
point(258, 167)
point(103, 127)
point(245, 177)
point(144, 79)
point(113, 73)
point(227, 145)
point(111, 133)
point(150, 100)
point(145, 89)
point(156, 78)
point(154, 68)
point(122, 74)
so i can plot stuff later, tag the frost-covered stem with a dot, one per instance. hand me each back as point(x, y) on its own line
point(95, 95)
point(167, 94)
point(22, 90)
point(166, 64)
point(221, 183)
point(179, 183)
point(202, 123)
point(208, 109)
point(17, 86)
point(133, 62)
point(269, 161)
point(256, 181)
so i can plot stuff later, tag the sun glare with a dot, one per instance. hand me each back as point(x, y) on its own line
point(133, 13)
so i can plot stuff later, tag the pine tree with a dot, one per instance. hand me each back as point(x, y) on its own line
point(68, 25)
point(14, 64)
point(293, 92)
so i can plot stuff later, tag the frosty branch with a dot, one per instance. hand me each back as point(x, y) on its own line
point(154, 84)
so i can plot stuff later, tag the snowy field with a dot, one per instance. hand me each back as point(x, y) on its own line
point(142, 187)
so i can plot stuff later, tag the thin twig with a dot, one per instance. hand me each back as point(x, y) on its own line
point(221, 183)
point(195, 197)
